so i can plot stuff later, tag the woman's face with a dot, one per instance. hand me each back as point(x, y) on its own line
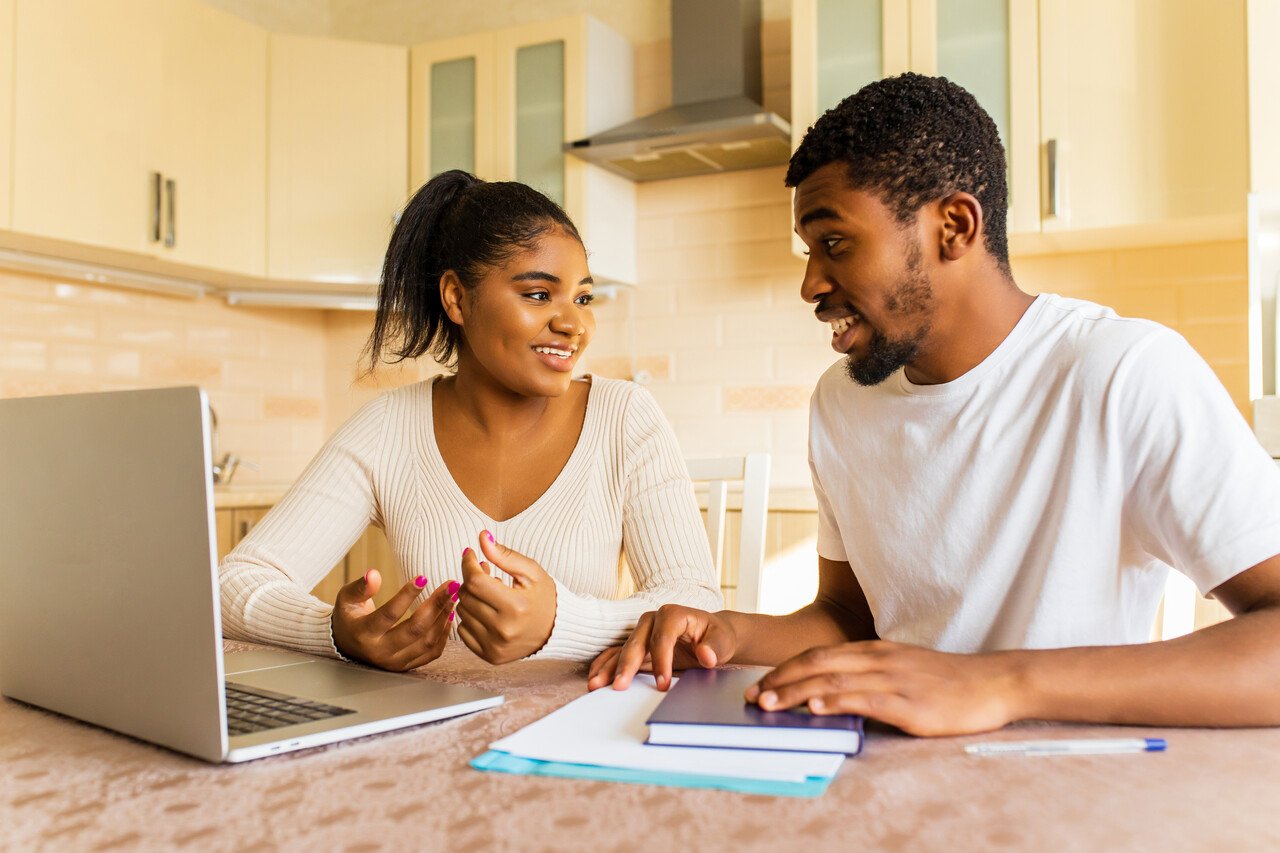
point(526, 323)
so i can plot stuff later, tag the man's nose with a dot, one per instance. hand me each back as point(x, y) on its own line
point(815, 284)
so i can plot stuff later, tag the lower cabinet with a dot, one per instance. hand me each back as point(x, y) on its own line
point(371, 551)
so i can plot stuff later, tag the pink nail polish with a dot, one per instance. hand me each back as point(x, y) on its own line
point(454, 599)
point(490, 535)
point(366, 576)
point(454, 586)
point(465, 552)
point(420, 581)
point(450, 619)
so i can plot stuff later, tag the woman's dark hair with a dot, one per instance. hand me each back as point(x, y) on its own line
point(458, 222)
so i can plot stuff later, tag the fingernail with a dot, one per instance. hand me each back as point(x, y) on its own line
point(817, 704)
point(490, 535)
point(454, 599)
point(366, 576)
point(767, 698)
point(465, 552)
point(420, 581)
point(454, 586)
point(752, 692)
point(450, 619)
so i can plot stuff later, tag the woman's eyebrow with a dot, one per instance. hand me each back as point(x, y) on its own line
point(536, 275)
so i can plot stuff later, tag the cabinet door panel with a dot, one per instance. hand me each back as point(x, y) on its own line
point(1147, 101)
point(338, 157)
point(85, 120)
point(451, 114)
point(215, 134)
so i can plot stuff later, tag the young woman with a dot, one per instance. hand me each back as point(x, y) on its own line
point(509, 488)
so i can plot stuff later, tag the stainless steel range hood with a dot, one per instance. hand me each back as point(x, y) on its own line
point(717, 123)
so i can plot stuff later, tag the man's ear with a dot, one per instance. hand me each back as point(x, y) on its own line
point(961, 225)
point(451, 293)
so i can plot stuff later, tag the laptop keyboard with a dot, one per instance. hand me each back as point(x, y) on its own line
point(252, 709)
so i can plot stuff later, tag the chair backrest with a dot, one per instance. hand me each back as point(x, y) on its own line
point(752, 471)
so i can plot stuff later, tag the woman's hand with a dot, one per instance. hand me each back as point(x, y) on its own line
point(501, 623)
point(376, 636)
point(920, 691)
point(672, 637)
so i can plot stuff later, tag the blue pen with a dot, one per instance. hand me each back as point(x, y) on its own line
point(1097, 746)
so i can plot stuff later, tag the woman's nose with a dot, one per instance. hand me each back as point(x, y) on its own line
point(568, 321)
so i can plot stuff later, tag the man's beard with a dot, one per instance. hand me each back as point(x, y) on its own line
point(884, 357)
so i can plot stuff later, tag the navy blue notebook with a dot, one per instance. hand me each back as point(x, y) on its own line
point(706, 708)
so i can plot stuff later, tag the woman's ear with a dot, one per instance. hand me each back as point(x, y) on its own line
point(451, 291)
point(961, 225)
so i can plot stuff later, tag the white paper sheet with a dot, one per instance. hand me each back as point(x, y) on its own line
point(607, 728)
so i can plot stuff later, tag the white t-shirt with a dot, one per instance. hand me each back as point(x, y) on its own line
point(1039, 500)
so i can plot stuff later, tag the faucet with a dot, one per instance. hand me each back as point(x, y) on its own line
point(225, 468)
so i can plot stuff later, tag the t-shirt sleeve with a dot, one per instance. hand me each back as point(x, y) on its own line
point(265, 581)
point(830, 543)
point(662, 536)
point(1204, 496)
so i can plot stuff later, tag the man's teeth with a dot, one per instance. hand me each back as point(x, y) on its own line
point(558, 353)
point(839, 326)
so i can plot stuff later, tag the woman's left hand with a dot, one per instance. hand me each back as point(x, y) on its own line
point(501, 623)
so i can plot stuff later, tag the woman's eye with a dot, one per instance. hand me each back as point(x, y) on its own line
point(540, 295)
point(586, 299)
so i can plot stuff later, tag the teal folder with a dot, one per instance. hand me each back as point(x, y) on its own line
point(502, 762)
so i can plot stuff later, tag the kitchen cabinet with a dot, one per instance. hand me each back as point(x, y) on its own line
point(1124, 123)
point(338, 157)
point(1146, 105)
point(371, 551)
point(6, 110)
point(139, 125)
point(502, 104)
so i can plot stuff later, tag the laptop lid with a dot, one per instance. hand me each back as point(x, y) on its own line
point(108, 599)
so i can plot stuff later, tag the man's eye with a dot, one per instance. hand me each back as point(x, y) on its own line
point(830, 243)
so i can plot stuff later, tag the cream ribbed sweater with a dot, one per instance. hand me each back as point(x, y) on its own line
point(624, 487)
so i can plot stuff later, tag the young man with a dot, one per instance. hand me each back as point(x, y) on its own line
point(1003, 480)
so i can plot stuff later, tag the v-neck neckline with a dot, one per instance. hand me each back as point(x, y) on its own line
point(579, 449)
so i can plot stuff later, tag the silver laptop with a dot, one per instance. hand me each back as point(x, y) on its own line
point(109, 606)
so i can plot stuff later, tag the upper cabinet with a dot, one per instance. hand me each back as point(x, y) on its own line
point(502, 105)
point(6, 111)
point(139, 125)
point(1117, 116)
point(338, 157)
point(1144, 111)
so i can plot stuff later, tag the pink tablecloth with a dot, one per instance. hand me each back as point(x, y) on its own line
point(66, 785)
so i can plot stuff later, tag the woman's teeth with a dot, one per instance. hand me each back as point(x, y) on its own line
point(558, 353)
point(839, 326)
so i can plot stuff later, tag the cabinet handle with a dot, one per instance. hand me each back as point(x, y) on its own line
point(156, 181)
point(244, 529)
point(171, 229)
point(1051, 167)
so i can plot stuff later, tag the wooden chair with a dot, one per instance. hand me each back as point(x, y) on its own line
point(752, 471)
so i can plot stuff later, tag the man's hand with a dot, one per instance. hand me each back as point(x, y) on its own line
point(501, 623)
point(920, 691)
point(673, 637)
point(378, 637)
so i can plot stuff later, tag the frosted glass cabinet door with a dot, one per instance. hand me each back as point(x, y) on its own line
point(850, 51)
point(453, 116)
point(973, 50)
point(539, 118)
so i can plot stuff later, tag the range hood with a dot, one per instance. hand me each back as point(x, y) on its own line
point(716, 123)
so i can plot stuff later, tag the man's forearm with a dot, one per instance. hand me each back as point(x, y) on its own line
point(769, 640)
point(1224, 675)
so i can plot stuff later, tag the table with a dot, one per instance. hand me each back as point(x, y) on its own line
point(64, 785)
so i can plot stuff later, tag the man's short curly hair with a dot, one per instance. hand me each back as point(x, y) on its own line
point(911, 140)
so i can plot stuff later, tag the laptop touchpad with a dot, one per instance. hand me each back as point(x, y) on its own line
point(320, 679)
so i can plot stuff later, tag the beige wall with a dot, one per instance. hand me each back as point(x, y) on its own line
point(264, 370)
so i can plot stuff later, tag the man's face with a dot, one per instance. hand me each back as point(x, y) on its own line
point(865, 275)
